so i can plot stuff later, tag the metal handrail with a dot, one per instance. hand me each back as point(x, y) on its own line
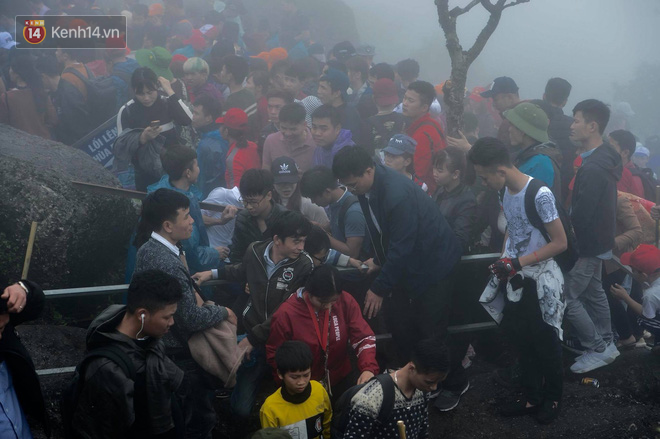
point(116, 289)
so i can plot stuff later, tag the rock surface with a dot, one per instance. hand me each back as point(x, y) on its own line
point(82, 237)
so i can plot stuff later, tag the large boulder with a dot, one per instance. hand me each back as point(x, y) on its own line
point(82, 237)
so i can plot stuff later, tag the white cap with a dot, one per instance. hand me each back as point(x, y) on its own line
point(641, 150)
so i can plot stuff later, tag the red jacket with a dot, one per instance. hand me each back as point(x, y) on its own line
point(292, 321)
point(244, 159)
point(430, 138)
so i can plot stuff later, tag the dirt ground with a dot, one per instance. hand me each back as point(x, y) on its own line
point(627, 404)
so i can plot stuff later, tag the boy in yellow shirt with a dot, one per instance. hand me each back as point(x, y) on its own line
point(301, 406)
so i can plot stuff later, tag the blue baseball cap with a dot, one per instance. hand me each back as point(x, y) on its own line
point(401, 144)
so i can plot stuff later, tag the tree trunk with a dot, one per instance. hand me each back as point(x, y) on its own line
point(455, 97)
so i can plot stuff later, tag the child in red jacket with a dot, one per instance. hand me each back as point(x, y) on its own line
point(327, 319)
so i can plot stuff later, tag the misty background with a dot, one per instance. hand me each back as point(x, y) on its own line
point(594, 44)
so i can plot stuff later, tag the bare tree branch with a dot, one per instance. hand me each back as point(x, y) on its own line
point(462, 60)
point(460, 11)
point(517, 2)
point(488, 5)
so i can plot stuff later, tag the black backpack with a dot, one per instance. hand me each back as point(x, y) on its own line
point(71, 394)
point(648, 181)
point(342, 409)
point(566, 259)
point(101, 96)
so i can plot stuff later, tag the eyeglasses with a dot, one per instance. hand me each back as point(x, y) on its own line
point(248, 203)
point(351, 186)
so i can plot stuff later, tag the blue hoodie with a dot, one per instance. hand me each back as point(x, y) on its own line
point(324, 157)
point(199, 255)
point(121, 75)
point(211, 156)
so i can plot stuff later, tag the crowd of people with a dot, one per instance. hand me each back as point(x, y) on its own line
point(346, 211)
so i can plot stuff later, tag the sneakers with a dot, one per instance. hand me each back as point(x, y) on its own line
point(509, 377)
point(448, 400)
point(517, 408)
point(612, 350)
point(548, 412)
point(593, 360)
point(573, 344)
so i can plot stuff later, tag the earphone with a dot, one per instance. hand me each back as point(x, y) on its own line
point(141, 327)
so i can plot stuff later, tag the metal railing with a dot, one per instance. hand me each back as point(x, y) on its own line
point(117, 289)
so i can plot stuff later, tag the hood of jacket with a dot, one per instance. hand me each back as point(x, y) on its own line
point(548, 149)
point(210, 131)
point(345, 138)
point(606, 158)
point(103, 329)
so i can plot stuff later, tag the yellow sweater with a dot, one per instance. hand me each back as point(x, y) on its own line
point(306, 420)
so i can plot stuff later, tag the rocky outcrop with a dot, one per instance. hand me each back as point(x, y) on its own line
point(82, 237)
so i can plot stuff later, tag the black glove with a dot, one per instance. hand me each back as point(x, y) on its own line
point(505, 268)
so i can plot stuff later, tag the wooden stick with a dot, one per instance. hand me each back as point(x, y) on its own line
point(28, 252)
point(402, 429)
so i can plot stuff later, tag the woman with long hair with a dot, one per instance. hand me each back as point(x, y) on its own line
point(26, 106)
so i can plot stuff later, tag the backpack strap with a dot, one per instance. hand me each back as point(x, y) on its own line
point(442, 135)
point(350, 200)
point(75, 72)
point(115, 354)
point(530, 207)
point(387, 383)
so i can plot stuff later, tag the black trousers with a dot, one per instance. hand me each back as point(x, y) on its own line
point(538, 346)
point(426, 316)
point(624, 321)
point(196, 399)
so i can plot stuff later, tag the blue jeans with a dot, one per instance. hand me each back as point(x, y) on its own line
point(248, 379)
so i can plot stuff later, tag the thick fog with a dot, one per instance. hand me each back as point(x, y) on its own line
point(591, 43)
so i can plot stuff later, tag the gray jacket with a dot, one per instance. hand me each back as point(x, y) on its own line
point(189, 318)
point(147, 157)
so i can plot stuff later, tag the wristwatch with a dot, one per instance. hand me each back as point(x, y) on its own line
point(22, 285)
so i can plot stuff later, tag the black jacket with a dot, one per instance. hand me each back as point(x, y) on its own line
point(559, 131)
point(266, 293)
point(593, 209)
point(416, 248)
point(246, 231)
point(459, 207)
point(111, 405)
point(19, 362)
